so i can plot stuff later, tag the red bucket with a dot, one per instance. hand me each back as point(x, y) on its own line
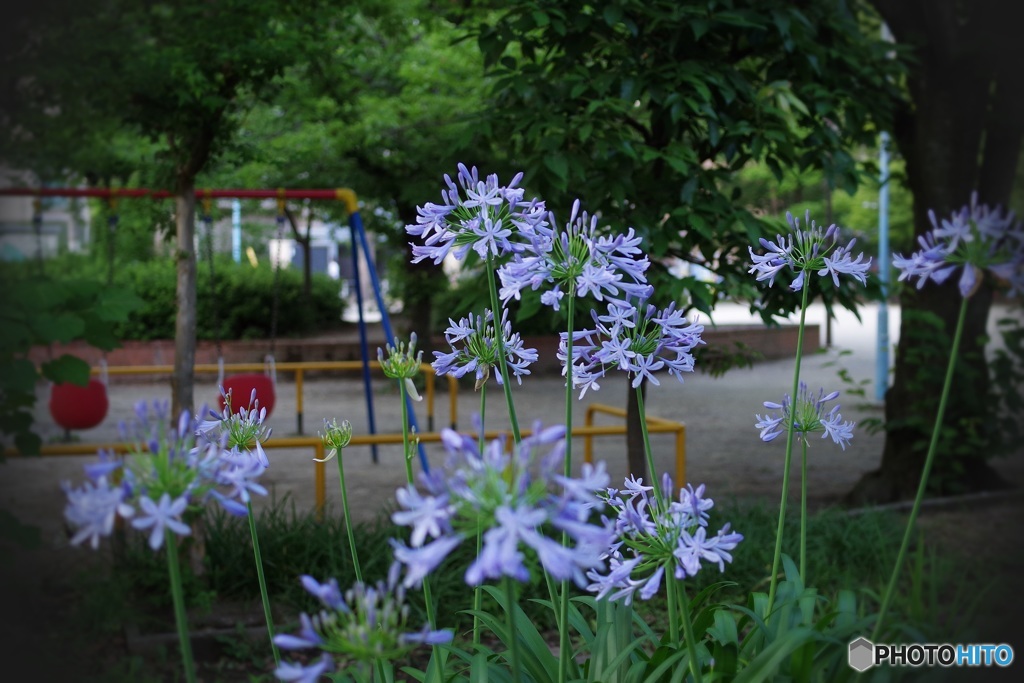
point(75, 407)
point(241, 387)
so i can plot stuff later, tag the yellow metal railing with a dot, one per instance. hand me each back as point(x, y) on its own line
point(299, 369)
point(588, 430)
point(654, 426)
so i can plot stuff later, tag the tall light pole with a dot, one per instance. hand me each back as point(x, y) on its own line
point(882, 358)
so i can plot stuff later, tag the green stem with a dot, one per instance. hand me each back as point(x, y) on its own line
point(427, 599)
point(499, 342)
point(673, 607)
point(570, 308)
point(564, 646)
point(691, 639)
point(178, 597)
point(406, 451)
point(803, 513)
point(513, 635)
point(478, 591)
point(348, 518)
point(928, 461)
point(263, 582)
point(790, 430)
point(658, 493)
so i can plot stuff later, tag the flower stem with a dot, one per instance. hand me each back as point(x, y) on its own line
point(478, 592)
point(513, 635)
point(790, 430)
point(178, 597)
point(691, 639)
point(564, 646)
point(659, 495)
point(348, 518)
point(499, 342)
point(928, 461)
point(803, 513)
point(673, 607)
point(406, 453)
point(263, 582)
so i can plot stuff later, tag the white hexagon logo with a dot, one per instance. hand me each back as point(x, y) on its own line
point(862, 654)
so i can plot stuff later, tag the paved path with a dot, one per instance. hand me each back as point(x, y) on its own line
point(723, 449)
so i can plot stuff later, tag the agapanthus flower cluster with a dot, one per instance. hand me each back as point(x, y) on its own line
point(242, 429)
point(813, 248)
point(518, 500)
point(811, 416)
point(335, 437)
point(972, 240)
point(640, 340)
point(576, 261)
point(368, 623)
point(402, 362)
point(652, 538)
point(168, 474)
point(474, 349)
point(482, 215)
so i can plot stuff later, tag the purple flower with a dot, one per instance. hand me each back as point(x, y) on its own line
point(368, 623)
point(476, 214)
point(92, 508)
point(641, 340)
point(165, 514)
point(807, 250)
point(474, 349)
point(973, 239)
point(296, 673)
point(692, 549)
point(577, 261)
point(652, 537)
point(518, 500)
point(327, 593)
point(810, 417)
point(307, 636)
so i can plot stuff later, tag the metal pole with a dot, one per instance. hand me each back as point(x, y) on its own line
point(364, 349)
point(882, 358)
point(236, 230)
point(357, 227)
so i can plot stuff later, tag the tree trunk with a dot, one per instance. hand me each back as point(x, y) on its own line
point(185, 297)
point(635, 455)
point(963, 134)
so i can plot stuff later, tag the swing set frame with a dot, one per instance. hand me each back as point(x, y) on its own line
point(282, 195)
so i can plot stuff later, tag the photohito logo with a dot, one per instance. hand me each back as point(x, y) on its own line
point(863, 654)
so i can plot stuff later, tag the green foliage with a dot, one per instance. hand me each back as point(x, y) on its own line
point(648, 110)
point(855, 212)
point(38, 310)
point(238, 306)
point(966, 433)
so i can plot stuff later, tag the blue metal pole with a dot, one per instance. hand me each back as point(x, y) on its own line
point(882, 358)
point(364, 350)
point(357, 227)
point(236, 230)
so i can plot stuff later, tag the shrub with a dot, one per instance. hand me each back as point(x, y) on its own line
point(238, 306)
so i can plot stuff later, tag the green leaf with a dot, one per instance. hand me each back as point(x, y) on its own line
point(67, 369)
point(699, 28)
point(557, 164)
point(56, 327)
point(612, 14)
point(19, 376)
point(116, 304)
